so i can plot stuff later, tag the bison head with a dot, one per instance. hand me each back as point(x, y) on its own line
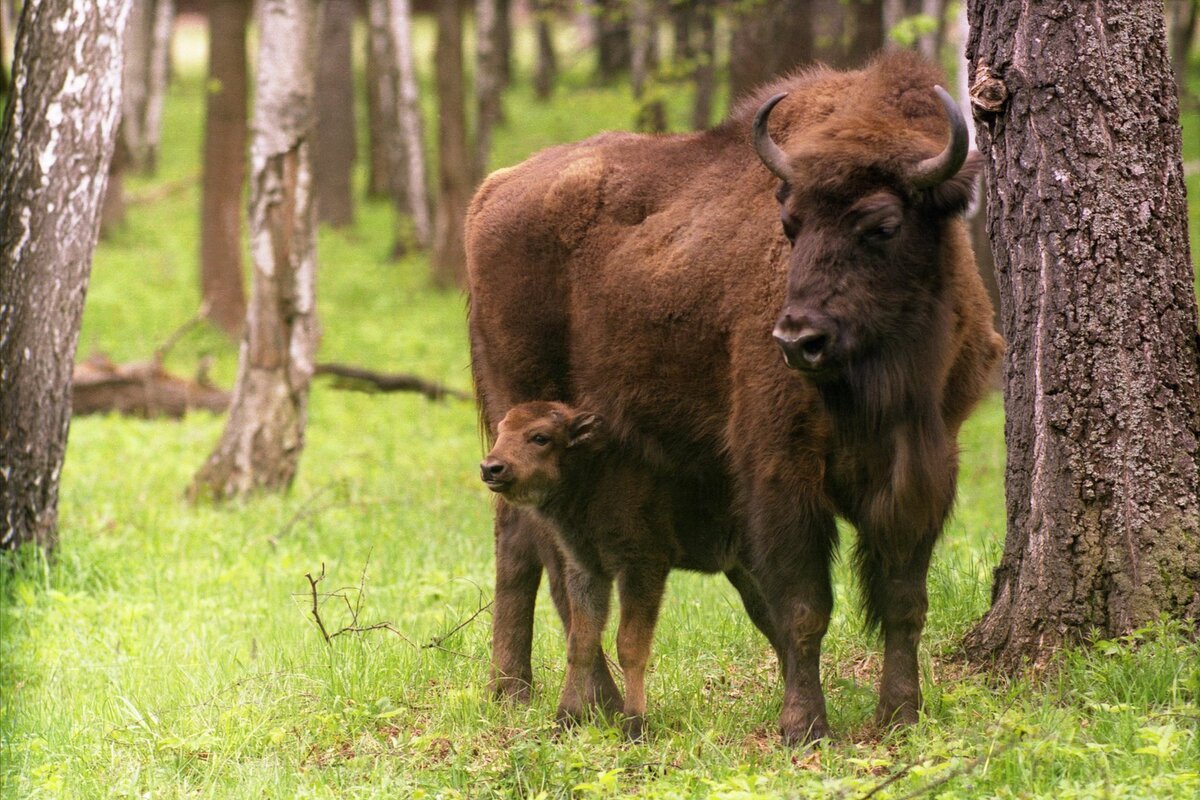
point(865, 214)
point(526, 463)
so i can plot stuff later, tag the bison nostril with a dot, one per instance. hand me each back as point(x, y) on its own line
point(812, 345)
point(492, 468)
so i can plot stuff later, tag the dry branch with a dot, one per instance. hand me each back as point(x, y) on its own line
point(139, 389)
point(366, 380)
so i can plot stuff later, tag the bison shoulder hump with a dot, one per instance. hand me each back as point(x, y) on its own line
point(573, 201)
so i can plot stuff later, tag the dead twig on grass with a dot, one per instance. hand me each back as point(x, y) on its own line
point(360, 379)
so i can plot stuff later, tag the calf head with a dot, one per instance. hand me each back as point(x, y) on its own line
point(533, 443)
point(864, 212)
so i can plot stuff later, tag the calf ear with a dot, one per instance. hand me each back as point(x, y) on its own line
point(584, 428)
point(953, 195)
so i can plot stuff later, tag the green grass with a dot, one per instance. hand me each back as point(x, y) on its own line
point(168, 650)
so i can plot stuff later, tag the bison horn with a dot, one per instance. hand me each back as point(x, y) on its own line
point(947, 163)
point(771, 154)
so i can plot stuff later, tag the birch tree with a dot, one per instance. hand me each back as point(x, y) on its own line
point(488, 82)
point(57, 139)
point(408, 120)
point(334, 149)
point(264, 433)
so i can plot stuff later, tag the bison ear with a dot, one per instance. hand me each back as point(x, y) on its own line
point(585, 428)
point(953, 195)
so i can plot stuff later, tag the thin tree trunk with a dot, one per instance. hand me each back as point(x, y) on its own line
point(1080, 125)
point(546, 67)
point(7, 27)
point(158, 77)
point(641, 20)
point(408, 112)
point(57, 139)
point(381, 104)
point(769, 39)
point(867, 33)
point(612, 39)
point(487, 82)
point(333, 145)
point(704, 74)
point(1183, 20)
point(264, 433)
point(224, 176)
point(504, 44)
point(134, 93)
point(449, 259)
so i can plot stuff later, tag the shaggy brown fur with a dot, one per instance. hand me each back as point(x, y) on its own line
point(614, 520)
point(642, 276)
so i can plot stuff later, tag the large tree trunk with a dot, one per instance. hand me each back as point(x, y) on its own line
point(57, 139)
point(1080, 123)
point(449, 260)
point(381, 104)
point(769, 39)
point(408, 119)
point(333, 148)
point(545, 71)
point(488, 77)
point(264, 434)
point(221, 278)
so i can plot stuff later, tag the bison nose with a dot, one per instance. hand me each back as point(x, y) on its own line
point(805, 339)
point(492, 469)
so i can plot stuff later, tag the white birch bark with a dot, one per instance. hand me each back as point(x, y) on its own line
point(264, 435)
point(57, 139)
point(487, 82)
point(408, 118)
point(157, 78)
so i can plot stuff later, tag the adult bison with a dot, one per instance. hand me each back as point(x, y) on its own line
point(656, 279)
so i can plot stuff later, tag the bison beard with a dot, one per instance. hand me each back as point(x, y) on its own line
point(656, 278)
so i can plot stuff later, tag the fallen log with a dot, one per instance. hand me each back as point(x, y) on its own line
point(140, 389)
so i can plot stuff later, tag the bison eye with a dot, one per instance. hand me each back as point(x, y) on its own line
point(881, 233)
point(540, 439)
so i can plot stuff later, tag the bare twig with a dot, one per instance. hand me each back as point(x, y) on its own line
point(316, 611)
point(362, 379)
point(161, 351)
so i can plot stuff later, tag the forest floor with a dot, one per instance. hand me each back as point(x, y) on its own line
point(170, 650)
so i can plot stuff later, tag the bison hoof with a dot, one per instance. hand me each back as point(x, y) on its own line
point(634, 727)
point(806, 732)
point(895, 715)
point(511, 689)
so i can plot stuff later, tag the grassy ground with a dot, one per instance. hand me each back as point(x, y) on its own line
point(169, 650)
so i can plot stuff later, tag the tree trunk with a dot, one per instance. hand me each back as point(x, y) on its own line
point(136, 82)
point(867, 33)
point(769, 39)
point(487, 82)
point(504, 43)
point(57, 139)
point(683, 22)
point(158, 77)
point(221, 274)
point(1183, 20)
point(641, 22)
point(408, 113)
point(333, 145)
point(546, 68)
point(449, 261)
point(1102, 381)
point(381, 104)
point(264, 434)
point(704, 74)
point(612, 39)
point(6, 31)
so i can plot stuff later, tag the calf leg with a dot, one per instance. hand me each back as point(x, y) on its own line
point(756, 607)
point(589, 593)
point(518, 573)
point(895, 593)
point(791, 556)
point(601, 690)
point(641, 588)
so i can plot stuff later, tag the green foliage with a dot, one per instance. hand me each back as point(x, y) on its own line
point(170, 650)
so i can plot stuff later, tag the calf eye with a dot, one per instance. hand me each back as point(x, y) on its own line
point(540, 439)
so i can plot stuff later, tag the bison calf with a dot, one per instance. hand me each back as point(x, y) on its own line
point(614, 520)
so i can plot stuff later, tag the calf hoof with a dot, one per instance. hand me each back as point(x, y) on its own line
point(508, 688)
point(802, 732)
point(634, 727)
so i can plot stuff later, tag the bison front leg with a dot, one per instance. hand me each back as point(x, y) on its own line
point(641, 588)
point(791, 558)
point(589, 594)
point(896, 597)
point(518, 573)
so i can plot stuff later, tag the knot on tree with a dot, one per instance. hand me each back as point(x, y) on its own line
point(988, 93)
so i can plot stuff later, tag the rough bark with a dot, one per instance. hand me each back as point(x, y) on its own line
point(381, 104)
point(260, 447)
point(333, 146)
point(408, 121)
point(1079, 121)
point(768, 39)
point(488, 78)
point(449, 260)
point(545, 71)
point(224, 173)
point(57, 139)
